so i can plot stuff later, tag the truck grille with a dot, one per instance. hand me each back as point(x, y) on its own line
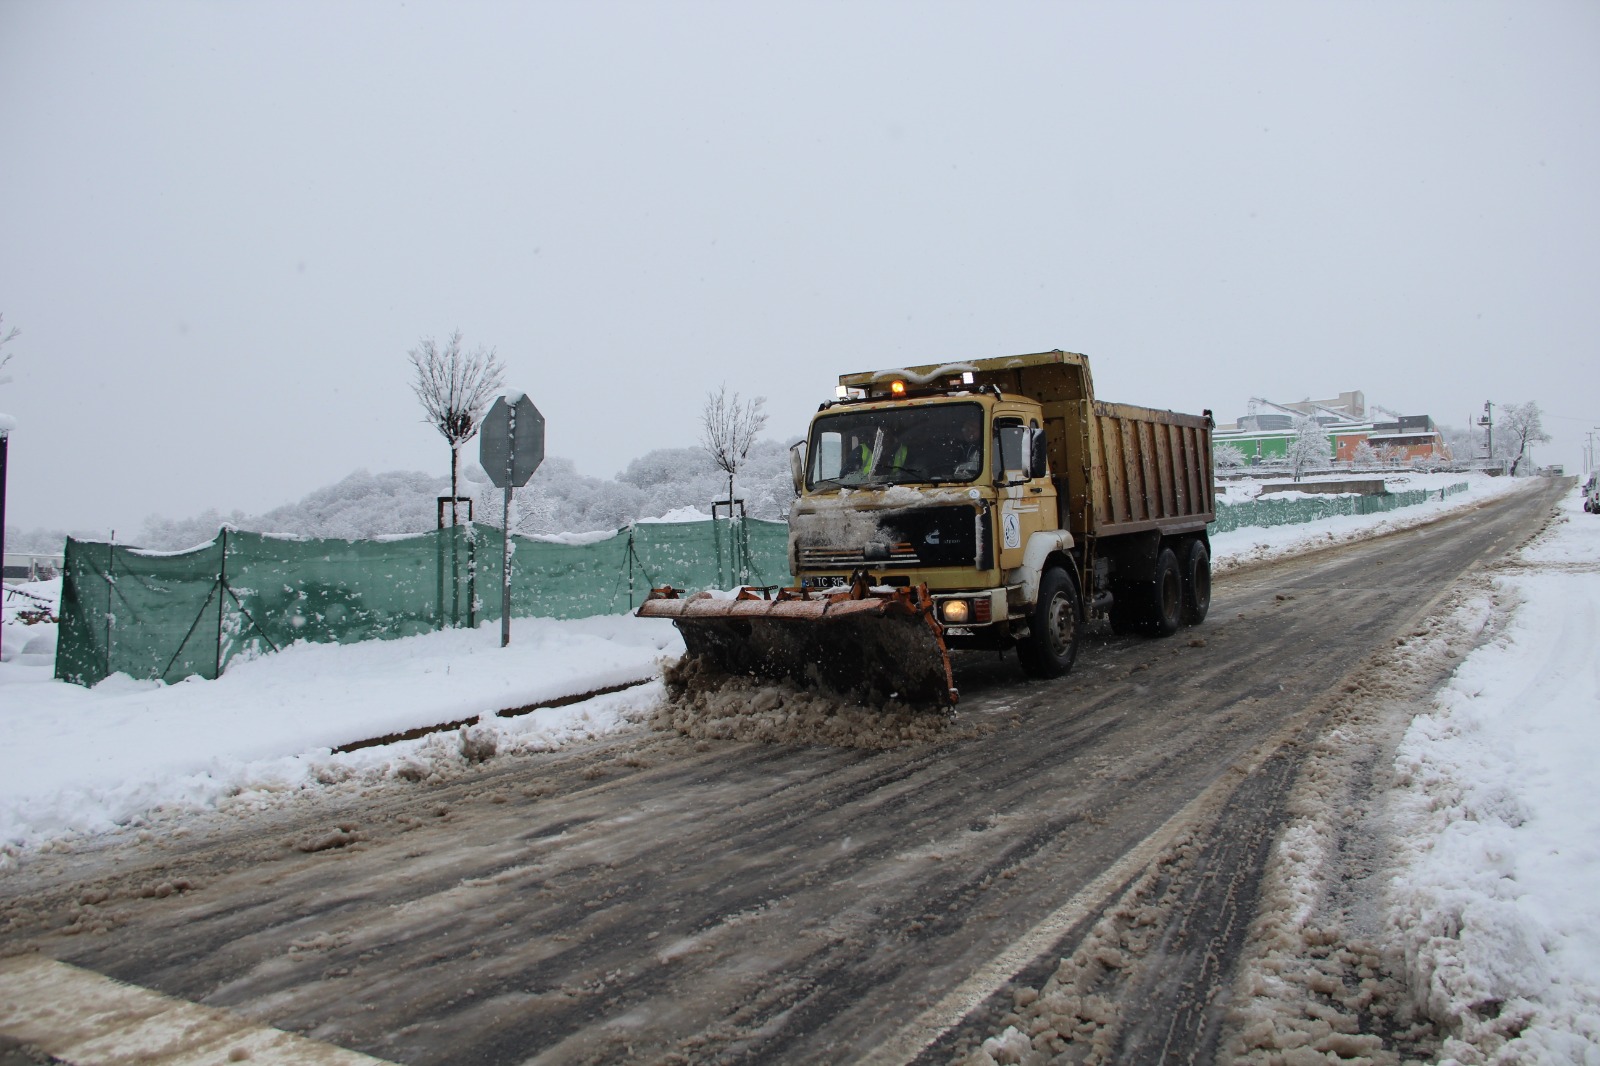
point(830, 558)
point(939, 536)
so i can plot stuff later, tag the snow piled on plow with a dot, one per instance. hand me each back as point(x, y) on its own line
point(706, 704)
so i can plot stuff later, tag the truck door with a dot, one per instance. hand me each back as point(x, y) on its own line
point(1025, 505)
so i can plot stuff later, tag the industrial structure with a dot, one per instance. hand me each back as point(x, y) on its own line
point(1265, 433)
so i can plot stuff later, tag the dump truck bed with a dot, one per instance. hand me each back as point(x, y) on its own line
point(1146, 469)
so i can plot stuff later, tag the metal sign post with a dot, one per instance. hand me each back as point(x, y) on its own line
point(510, 448)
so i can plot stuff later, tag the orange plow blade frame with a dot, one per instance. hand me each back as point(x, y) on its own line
point(885, 641)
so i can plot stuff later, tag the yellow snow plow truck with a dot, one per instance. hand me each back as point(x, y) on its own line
point(986, 504)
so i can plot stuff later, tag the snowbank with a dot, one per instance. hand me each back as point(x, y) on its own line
point(1495, 901)
point(1258, 544)
point(75, 760)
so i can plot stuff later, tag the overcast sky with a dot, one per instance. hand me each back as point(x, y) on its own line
point(222, 225)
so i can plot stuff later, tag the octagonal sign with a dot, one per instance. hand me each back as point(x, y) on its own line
point(511, 441)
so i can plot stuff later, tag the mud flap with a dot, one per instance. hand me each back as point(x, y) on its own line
point(859, 641)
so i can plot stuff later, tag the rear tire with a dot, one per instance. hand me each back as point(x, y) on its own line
point(1054, 628)
point(1196, 582)
point(1164, 611)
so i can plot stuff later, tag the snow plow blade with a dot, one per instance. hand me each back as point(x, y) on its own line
point(849, 639)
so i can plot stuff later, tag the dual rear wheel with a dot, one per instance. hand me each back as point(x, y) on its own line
point(1178, 592)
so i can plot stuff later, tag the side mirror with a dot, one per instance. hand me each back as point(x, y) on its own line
point(1013, 453)
point(797, 465)
point(1038, 454)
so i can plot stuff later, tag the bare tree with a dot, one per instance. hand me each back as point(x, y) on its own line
point(728, 428)
point(1309, 446)
point(1520, 425)
point(455, 388)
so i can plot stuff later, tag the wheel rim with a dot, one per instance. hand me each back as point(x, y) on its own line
point(1171, 593)
point(1062, 625)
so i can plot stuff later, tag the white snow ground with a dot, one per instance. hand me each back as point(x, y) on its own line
point(1497, 899)
point(76, 761)
point(1494, 899)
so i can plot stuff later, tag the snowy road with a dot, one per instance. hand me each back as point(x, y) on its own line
point(658, 898)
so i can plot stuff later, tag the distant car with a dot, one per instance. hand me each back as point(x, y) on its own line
point(1591, 494)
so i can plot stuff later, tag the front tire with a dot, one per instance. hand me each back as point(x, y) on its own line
point(1054, 628)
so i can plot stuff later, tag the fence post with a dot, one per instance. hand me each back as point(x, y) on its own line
point(111, 587)
point(744, 551)
point(455, 571)
point(222, 589)
point(716, 535)
point(472, 577)
point(438, 570)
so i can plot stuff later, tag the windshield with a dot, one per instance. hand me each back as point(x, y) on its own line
point(896, 445)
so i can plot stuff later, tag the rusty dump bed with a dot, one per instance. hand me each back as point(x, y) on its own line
point(854, 640)
point(1120, 468)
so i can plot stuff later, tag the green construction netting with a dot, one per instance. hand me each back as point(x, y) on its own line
point(174, 615)
point(1276, 512)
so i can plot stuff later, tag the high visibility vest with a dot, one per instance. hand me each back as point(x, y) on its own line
point(900, 455)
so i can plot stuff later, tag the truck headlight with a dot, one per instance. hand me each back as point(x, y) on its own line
point(955, 612)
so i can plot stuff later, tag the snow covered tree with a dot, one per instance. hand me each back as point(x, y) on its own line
point(168, 534)
point(1520, 425)
point(455, 388)
point(1364, 456)
point(1227, 456)
point(558, 499)
point(728, 428)
point(1464, 444)
point(1309, 447)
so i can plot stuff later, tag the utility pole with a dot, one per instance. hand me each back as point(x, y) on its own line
point(1487, 421)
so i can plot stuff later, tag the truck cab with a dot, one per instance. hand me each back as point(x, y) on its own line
point(937, 482)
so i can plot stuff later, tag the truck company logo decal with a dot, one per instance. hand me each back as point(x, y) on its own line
point(1013, 529)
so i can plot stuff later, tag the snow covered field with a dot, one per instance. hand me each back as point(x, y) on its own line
point(77, 761)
